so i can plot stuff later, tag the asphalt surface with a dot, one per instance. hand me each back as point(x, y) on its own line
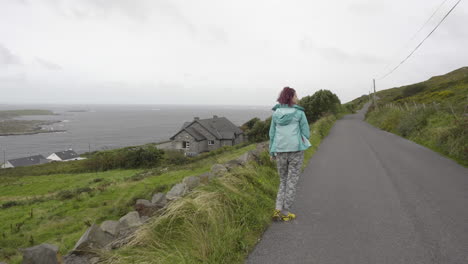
point(368, 196)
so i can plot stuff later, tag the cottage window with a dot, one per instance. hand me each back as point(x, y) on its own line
point(186, 144)
point(210, 142)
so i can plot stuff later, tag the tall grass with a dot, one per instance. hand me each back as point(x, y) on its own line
point(441, 129)
point(217, 223)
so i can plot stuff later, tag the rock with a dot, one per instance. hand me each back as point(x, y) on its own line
point(94, 260)
point(125, 238)
point(111, 227)
point(262, 147)
point(232, 164)
point(93, 238)
point(130, 220)
point(143, 202)
point(76, 259)
point(191, 182)
point(206, 177)
point(176, 192)
point(80, 259)
point(41, 254)
point(144, 218)
point(246, 158)
point(159, 199)
point(218, 169)
point(145, 207)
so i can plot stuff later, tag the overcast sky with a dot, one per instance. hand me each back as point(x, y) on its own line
point(218, 52)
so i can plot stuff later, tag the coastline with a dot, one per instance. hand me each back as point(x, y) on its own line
point(31, 133)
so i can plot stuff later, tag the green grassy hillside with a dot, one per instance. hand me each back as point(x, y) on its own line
point(432, 113)
point(57, 208)
point(450, 89)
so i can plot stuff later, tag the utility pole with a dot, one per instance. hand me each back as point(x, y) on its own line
point(374, 90)
point(89, 148)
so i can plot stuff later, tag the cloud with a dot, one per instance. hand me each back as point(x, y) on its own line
point(367, 8)
point(340, 55)
point(7, 57)
point(48, 65)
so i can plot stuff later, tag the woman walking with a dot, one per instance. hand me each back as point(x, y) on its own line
point(289, 137)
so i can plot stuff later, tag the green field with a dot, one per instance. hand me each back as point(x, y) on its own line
point(57, 208)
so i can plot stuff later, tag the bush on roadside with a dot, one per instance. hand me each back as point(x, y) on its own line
point(320, 104)
point(414, 121)
point(126, 158)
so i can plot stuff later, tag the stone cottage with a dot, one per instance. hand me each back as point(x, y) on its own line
point(202, 135)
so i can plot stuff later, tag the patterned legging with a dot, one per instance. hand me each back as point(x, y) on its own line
point(289, 167)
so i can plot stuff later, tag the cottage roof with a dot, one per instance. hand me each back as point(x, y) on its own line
point(67, 154)
point(27, 161)
point(195, 133)
point(219, 127)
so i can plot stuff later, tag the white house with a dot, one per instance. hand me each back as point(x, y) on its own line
point(66, 155)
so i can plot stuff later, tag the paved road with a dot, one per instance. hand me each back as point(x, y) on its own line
point(368, 196)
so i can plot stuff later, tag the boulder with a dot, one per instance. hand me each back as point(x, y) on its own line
point(176, 192)
point(205, 177)
point(262, 147)
point(145, 207)
point(218, 169)
point(41, 254)
point(111, 227)
point(159, 199)
point(191, 182)
point(232, 164)
point(76, 259)
point(93, 238)
point(130, 220)
point(80, 259)
point(246, 158)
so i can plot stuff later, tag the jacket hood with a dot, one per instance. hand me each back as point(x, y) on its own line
point(287, 106)
point(285, 114)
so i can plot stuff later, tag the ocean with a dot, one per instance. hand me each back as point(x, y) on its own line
point(100, 127)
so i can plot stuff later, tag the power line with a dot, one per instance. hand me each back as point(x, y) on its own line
point(417, 32)
point(440, 22)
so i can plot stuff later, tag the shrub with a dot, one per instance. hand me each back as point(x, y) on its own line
point(175, 157)
point(10, 204)
point(413, 89)
point(319, 104)
point(414, 121)
point(249, 124)
point(126, 158)
point(260, 131)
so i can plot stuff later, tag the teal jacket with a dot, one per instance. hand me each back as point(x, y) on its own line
point(289, 129)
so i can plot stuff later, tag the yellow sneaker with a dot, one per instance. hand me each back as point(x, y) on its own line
point(288, 217)
point(277, 215)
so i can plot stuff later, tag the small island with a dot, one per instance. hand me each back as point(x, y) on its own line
point(12, 127)
point(77, 111)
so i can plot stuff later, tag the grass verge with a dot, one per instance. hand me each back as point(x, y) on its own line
point(442, 131)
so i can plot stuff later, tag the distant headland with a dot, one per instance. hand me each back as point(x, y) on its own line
point(14, 127)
